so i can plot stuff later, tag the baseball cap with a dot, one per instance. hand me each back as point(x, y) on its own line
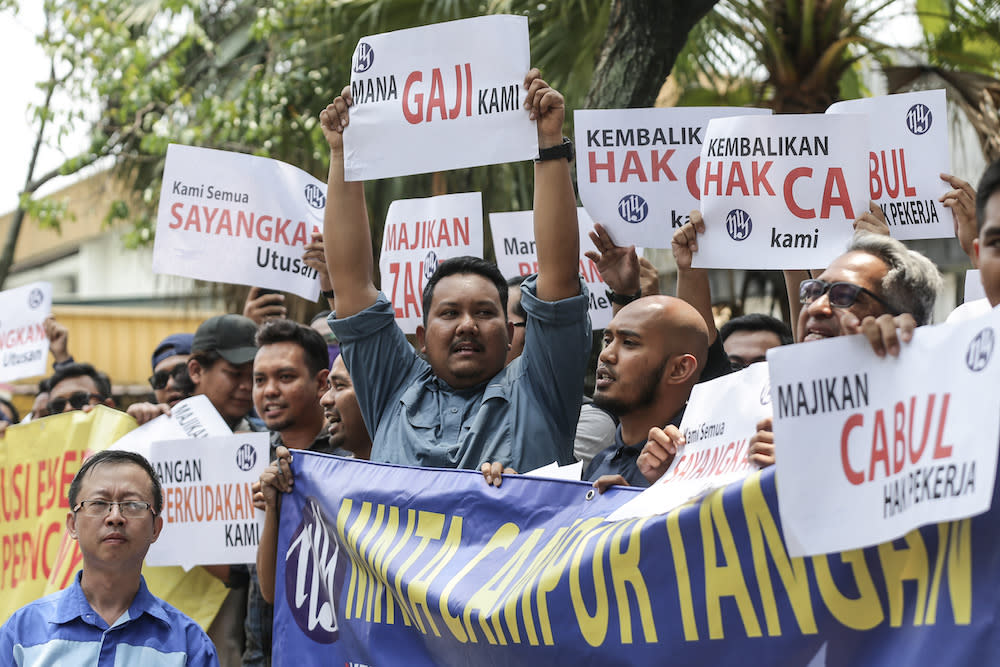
point(172, 345)
point(232, 336)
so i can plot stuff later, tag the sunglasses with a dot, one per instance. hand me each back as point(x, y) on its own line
point(160, 378)
point(77, 400)
point(841, 294)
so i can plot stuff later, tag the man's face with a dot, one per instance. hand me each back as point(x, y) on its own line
point(342, 412)
point(284, 392)
point(113, 541)
point(631, 365)
point(987, 247)
point(170, 394)
point(820, 320)
point(467, 333)
point(517, 339)
point(748, 347)
point(225, 385)
point(74, 388)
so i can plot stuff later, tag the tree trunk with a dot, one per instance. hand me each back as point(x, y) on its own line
point(639, 50)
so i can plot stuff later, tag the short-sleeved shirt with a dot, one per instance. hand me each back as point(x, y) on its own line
point(63, 629)
point(525, 416)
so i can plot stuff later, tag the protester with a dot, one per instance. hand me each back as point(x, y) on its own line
point(322, 327)
point(170, 381)
point(345, 425)
point(987, 244)
point(747, 338)
point(463, 406)
point(108, 616)
point(78, 387)
point(516, 316)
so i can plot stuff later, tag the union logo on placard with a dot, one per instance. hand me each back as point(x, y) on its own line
point(919, 118)
point(765, 393)
point(313, 580)
point(738, 224)
point(430, 264)
point(246, 457)
point(364, 58)
point(315, 196)
point(980, 350)
point(35, 298)
point(633, 208)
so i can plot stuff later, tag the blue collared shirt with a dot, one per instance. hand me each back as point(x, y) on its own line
point(524, 417)
point(63, 629)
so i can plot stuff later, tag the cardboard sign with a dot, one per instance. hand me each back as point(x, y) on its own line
point(24, 347)
point(781, 192)
point(720, 418)
point(637, 169)
point(514, 247)
point(867, 449)
point(236, 218)
point(208, 512)
point(908, 152)
point(194, 417)
point(419, 234)
point(439, 97)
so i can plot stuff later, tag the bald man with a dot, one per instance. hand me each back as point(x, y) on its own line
point(654, 351)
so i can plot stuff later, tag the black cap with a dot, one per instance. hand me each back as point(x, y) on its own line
point(232, 336)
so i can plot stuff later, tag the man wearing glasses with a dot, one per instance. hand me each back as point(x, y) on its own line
point(108, 616)
point(78, 387)
point(170, 380)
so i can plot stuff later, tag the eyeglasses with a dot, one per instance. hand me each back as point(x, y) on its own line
point(130, 509)
point(77, 400)
point(160, 378)
point(842, 294)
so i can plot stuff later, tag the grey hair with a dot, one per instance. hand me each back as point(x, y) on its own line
point(913, 281)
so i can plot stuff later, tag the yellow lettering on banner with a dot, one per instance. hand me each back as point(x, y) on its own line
point(501, 539)
point(553, 571)
point(359, 575)
point(430, 525)
point(383, 566)
point(765, 540)
point(487, 599)
point(380, 564)
point(723, 580)
point(862, 613)
point(522, 590)
point(955, 540)
point(908, 564)
point(677, 550)
point(417, 589)
point(625, 571)
point(594, 628)
point(373, 581)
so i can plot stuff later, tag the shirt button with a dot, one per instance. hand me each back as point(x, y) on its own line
point(454, 410)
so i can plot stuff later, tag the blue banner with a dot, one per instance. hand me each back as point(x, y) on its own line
point(388, 565)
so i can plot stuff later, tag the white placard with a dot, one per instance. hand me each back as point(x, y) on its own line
point(571, 472)
point(908, 153)
point(781, 192)
point(24, 346)
point(973, 286)
point(208, 512)
point(869, 448)
point(720, 419)
point(439, 97)
point(236, 218)
point(637, 169)
point(514, 247)
point(419, 234)
point(194, 417)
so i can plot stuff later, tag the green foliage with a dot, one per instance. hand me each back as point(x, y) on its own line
point(48, 212)
point(962, 34)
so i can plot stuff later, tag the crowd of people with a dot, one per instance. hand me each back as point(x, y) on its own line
point(495, 383)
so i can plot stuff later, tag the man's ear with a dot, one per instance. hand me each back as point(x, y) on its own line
point(321, 381)
point(682, 368)
point(421, 343)
point(194, 371)
point(157, 527)
point(71, 524)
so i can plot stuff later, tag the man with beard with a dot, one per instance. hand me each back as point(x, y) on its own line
point(654, 351)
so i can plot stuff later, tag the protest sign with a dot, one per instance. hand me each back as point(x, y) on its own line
point(208, 512)
point(23, 342)
point(637, 169)
point(720, 418)
point(371, 573)
point(908, 152)
point(781, 192)
point(514, 247)
point(419, 234)
point(439, 97)
point(868, 448)
point(194, 417)
point(237, 218)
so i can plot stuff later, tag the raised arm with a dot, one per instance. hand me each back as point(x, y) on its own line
point(556, 235)
point(692, 284)
point(346, 234)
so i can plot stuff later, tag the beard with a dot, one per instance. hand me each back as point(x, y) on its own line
point(647, 387)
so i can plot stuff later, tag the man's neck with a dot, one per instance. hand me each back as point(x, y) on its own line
point(110, 593)
point(636, 424)
point(301, 436)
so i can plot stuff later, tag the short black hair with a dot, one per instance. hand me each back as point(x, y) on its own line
point(117, 456)
point(313, 346)
point(518, 308)
point(75, 370)
point(15, 415)
point(988, 185)
point(757, 322)
point(466, 264)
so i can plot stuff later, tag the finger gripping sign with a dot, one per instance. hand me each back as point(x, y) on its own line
point(439, 97)
point(781, 192)
point(24, 346)
point(890, 447)
point(236, 218)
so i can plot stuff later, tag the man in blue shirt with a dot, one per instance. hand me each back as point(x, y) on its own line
point(459, 405)
point(108, 617)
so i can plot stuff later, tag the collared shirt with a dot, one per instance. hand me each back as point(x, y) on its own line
point(63, 629)
point(524, 417)
point(622, 459)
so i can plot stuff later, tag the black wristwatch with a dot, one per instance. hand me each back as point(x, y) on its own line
point(558, 152)
point(623, 299)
